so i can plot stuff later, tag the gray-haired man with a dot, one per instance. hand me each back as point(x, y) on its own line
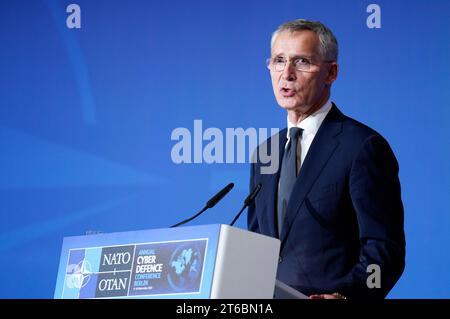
point(335, 202)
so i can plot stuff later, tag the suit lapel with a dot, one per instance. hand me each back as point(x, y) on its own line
point(320, 151)
point(270, 188)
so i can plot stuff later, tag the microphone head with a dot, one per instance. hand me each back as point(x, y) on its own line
point(252, 195)
point(213, 201)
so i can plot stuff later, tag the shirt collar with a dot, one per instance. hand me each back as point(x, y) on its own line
point(311, 124)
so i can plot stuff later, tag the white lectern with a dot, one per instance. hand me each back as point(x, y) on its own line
point(211, 261)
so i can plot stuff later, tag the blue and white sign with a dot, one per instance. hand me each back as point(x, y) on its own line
point(168, 263)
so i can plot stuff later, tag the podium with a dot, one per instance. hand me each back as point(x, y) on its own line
point(210, 261)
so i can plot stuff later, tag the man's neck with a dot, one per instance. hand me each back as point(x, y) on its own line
point(296, 116)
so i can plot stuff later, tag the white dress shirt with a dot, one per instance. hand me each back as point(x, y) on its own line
point(310, 126)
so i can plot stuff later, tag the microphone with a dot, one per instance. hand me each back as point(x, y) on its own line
point(247, 202)
point(213, 201)
point(210, 204)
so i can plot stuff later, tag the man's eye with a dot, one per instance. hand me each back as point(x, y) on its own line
point(278, 60)
point(302, 61)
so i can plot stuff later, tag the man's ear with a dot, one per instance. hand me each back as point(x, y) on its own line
point(332, 73)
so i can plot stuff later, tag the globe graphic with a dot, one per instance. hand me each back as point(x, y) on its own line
point(185, 268)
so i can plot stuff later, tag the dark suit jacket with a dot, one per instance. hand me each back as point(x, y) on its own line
point(345, 212)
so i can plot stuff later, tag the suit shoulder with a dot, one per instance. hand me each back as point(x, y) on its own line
point(353, 129)
point(357, 128)
point(357, 135)
point(269, 147)
point(272, 140)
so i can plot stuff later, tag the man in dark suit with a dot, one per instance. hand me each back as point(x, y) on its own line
point(335, 201)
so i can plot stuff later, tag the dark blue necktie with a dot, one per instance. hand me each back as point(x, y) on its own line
point(288, 175)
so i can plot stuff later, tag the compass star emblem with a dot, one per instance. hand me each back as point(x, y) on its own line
point(78, 274)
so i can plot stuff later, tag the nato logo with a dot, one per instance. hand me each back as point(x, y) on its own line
point(81, 273)
point(78, 275)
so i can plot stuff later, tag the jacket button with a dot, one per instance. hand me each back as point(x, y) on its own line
point(280, 259)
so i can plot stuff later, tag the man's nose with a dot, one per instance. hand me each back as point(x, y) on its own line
point(289, 72)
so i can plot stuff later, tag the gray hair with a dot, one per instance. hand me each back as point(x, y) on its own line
point(328, 43)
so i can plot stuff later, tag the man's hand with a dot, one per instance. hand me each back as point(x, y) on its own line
point(335, 295)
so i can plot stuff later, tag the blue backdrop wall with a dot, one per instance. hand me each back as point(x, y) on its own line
point(86, 117)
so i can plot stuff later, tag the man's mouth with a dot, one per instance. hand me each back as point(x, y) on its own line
point(287, 92)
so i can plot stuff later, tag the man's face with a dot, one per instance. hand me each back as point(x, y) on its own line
point(295, 90)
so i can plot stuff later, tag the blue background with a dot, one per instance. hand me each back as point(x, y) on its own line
point(86, 117)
